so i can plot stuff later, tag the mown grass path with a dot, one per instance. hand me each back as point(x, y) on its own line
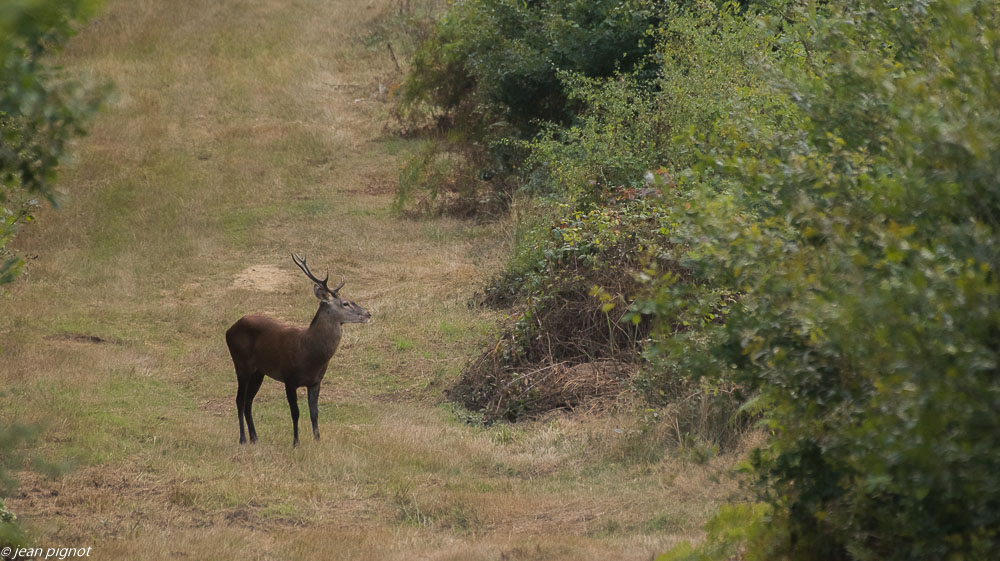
point(242, 131)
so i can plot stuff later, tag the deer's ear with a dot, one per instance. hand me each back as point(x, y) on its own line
point(321, 293)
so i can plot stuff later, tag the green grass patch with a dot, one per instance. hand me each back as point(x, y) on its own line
point(402, 344)
point(239, 224)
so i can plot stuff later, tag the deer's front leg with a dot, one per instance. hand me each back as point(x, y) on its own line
point(293, 405)
point(313, 393)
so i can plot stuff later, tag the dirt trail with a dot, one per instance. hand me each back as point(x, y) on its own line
point(242, 131)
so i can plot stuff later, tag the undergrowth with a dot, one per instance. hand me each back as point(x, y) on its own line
point(574, 340)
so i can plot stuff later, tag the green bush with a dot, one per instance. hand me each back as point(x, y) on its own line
point(11, 534)
point(607, 232)
point(492, 75)
point(40, 109)
point(826, 241)
point(626, 123)
point(501, 58)
point(710, 68)
point(857, 229)
point(619, 135)
point(570, 275)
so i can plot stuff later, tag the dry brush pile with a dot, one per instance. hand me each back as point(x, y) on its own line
point(576, 337)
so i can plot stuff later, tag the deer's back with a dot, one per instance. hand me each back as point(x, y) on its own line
point(263, 343)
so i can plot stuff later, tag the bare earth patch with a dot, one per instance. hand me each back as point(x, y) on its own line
point(264, 278)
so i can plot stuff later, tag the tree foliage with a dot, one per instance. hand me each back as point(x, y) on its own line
point(502, 58)
point(862, 243)
point(41, 109)
point(494, 73)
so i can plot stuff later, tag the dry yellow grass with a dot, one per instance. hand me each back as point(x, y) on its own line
point(242, 131)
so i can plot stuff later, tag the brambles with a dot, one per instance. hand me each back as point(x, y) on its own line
point(455, 179)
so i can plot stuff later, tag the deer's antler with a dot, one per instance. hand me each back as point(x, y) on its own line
point(301, 262)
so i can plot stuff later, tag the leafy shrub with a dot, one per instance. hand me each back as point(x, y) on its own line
point(40, 109)
point(581, 269)
point(626, 124)
point(501, 58)
point(619, 135)
point(625, 127)
point(10, 533)
point(731, 533)
point(858, 227)
point(491, 77)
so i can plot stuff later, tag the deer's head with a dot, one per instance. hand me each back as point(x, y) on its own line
point(341, 309)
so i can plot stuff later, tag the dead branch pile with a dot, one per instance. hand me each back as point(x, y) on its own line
point(510, 394)
point(572, 342)
point(567, 353)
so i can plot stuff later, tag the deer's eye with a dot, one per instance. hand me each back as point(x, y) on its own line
point(346, 304)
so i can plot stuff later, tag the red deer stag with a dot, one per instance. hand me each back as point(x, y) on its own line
point(294, 356)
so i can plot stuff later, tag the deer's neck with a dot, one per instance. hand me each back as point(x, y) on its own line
point(323, 334)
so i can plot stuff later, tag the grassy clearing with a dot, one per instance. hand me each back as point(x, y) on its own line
point(240, 132)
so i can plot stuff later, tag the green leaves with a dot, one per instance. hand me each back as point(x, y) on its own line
point(501, 58)
point(856, 226)
point(41, 109)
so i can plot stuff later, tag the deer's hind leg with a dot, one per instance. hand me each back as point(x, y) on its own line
point(253, 386)
point(238, 350)
point(241, 393)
